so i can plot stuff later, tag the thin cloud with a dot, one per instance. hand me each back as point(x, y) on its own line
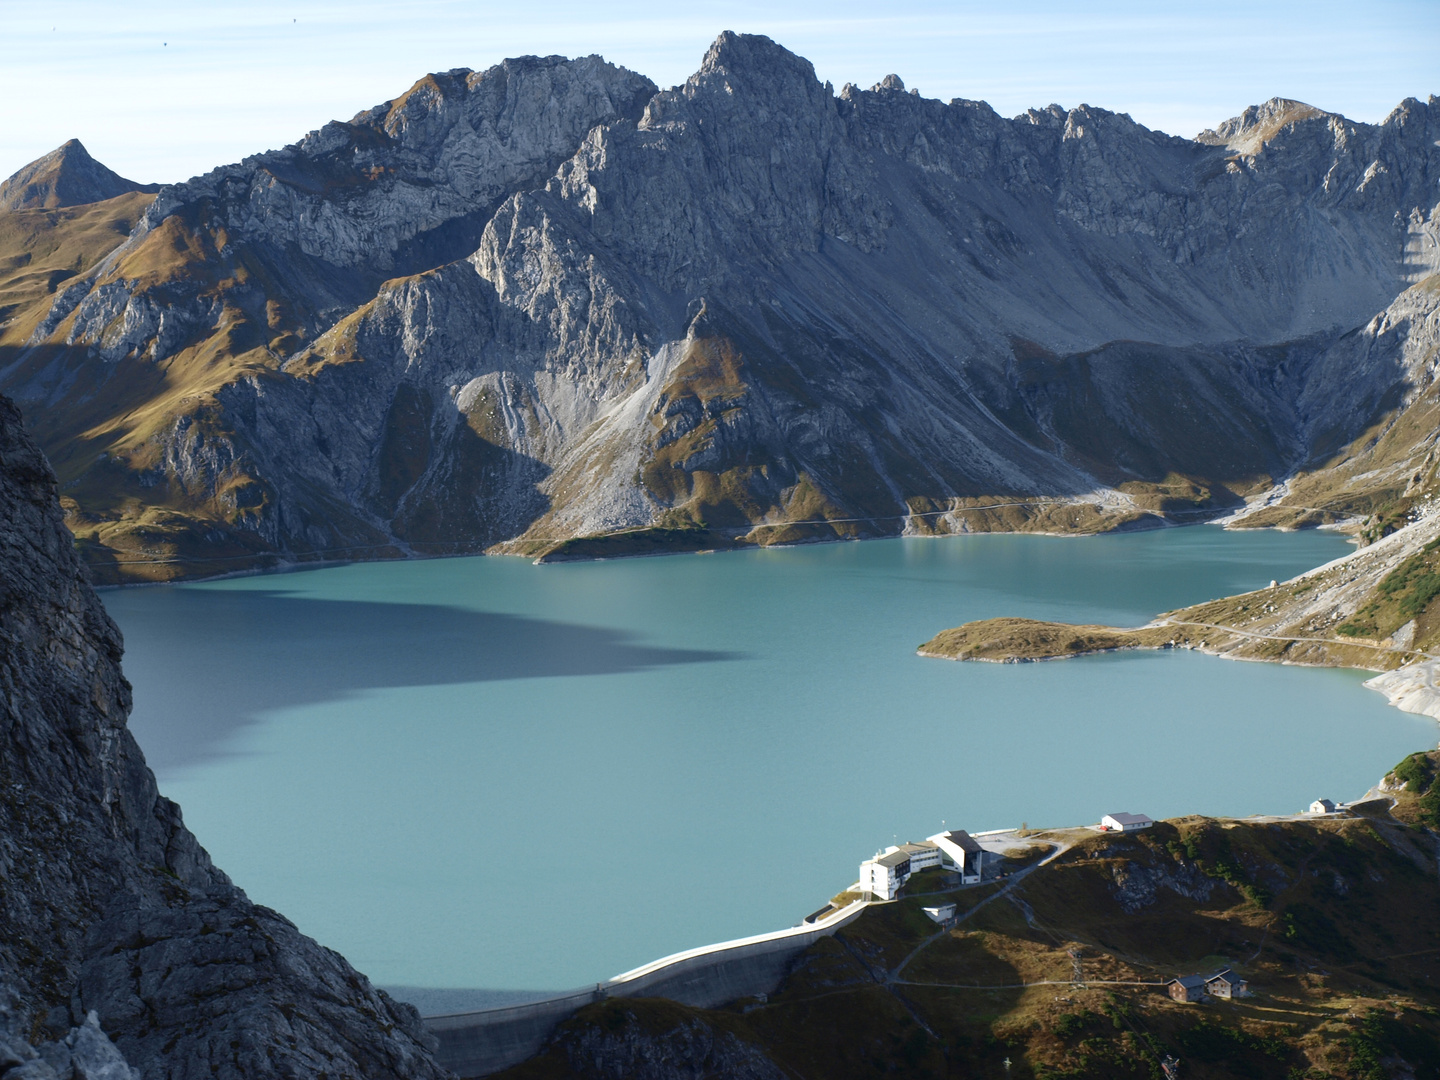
point(232, 79)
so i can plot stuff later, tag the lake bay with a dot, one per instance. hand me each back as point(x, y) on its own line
point(483, 773)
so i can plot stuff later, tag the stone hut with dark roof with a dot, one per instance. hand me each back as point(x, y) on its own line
point(1226, 984)
point(1187, 988)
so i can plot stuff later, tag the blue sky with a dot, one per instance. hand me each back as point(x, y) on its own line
point(160, 90)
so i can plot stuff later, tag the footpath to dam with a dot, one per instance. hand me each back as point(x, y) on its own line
point(481, 1042)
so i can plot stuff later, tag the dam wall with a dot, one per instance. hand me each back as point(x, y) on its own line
point(475, 1044)
point(480, 1043)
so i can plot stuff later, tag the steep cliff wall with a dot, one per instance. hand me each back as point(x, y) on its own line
point(548, 301)
point(108, 903)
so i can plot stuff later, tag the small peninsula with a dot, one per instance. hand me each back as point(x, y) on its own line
point(1375, 609)
point(1010, 641)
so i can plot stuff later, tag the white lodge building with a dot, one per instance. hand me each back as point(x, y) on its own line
point(885, 874)
point(960, 852)
point(922, 856)
point(1125, 822)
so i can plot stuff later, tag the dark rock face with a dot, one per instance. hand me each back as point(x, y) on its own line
point(691, 1050)
point(108, 903)
point(67, 176)
point(85, 1053)
point(1138, 885)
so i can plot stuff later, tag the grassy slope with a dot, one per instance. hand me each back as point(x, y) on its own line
point(103, 424)
point(42, 249)
point(1332, 921)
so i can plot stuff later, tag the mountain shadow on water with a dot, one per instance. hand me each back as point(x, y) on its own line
point(341, 648)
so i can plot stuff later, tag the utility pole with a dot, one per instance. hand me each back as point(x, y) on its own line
point(1170, 1067)
point(1077, 976)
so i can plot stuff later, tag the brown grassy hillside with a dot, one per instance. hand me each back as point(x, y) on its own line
point(1332, 921)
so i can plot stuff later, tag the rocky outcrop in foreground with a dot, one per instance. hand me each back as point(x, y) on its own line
point(84, 1053)
point(110, 907)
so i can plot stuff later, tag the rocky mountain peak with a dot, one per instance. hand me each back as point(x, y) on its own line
point(407, 185)
point(545, 225)
point(426, 95)
point(753, 59)
point(67, 176)
point(1413, 111)
point(1258, 124)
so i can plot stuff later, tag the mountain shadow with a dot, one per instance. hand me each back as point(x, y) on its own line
point(268, 650)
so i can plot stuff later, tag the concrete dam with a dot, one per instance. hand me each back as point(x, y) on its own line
point(481, 1042)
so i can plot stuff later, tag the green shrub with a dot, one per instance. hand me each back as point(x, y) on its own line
point(1414, 583)
point(1309, 926)
point(1430, 806)
point(1071, 1024)
point(1213, 1042)
point(1380, 1037)
point(1415, 772)
point(1354, 629)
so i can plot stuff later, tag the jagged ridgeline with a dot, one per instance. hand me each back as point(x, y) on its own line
point(550, 309)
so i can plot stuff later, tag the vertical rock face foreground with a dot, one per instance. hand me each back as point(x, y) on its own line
point(107, 902)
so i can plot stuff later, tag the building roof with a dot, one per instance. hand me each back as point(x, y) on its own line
point(891, 859)
point(1324, 802)
point(1131, 819)
point(1227, 975)
point(1190, 982)
point(923, 848)
point(963, 840)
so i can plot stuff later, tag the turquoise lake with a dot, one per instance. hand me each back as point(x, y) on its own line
point(484, 773)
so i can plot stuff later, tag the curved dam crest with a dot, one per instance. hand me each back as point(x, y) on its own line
point(482, 773)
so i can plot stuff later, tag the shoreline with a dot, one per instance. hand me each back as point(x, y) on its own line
point(1054, 837)
point(1349, 612)
point(292, 565)
point(1410, 687)
point(726, 980)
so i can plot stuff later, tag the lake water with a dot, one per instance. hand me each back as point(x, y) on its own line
point(483, 773)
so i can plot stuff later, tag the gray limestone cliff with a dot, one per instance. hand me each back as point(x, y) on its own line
point(548, 301)
point(109, 906)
